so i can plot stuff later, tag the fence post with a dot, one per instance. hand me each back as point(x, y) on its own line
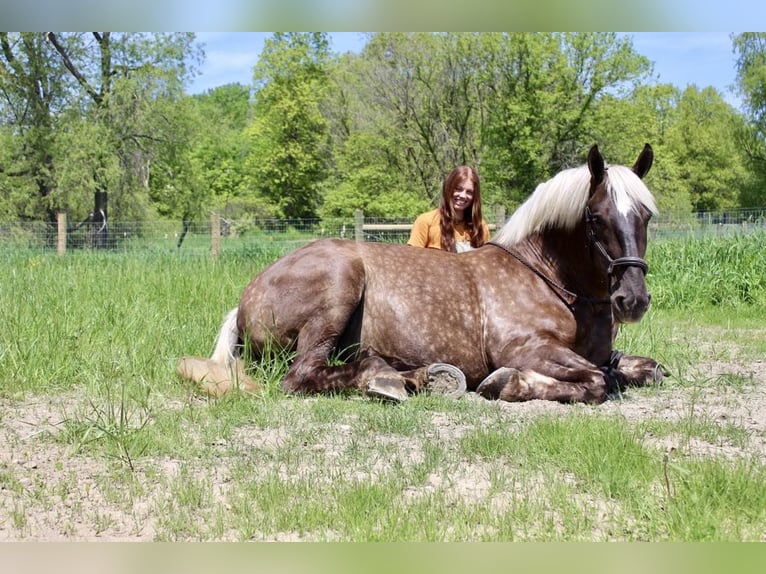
point(499, 217)
point(359, 225)
point(61, 232)
point(215, 235)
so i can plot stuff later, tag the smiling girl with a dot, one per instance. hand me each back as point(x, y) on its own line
point(457, 224)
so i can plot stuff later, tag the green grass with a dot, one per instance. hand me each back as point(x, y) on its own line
point(699, 273)
point(134, 452)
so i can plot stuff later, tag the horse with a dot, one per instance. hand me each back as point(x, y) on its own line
point(532, 314)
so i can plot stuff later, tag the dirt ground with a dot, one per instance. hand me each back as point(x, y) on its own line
point(49, 493)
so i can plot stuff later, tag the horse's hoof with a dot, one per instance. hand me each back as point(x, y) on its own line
point(444, 379)
point(387, 389)
point(491, 387)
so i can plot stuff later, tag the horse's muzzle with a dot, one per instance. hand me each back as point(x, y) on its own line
point(630, 307)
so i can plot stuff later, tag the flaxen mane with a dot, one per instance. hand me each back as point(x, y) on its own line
point(559, 202)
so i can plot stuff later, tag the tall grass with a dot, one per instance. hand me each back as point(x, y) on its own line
point(698, 273)
point(91, 318)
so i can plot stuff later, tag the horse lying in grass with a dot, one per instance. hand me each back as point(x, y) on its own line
point(530, 315)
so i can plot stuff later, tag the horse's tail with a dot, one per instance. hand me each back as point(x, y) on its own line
point(223, 370)
point(228, 338)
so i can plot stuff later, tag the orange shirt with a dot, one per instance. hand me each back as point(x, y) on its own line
point(427, 233)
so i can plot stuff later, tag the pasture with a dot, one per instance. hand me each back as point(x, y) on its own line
point(99, 440)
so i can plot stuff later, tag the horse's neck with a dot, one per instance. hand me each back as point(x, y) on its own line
point(565, 257)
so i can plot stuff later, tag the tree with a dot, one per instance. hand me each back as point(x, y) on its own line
point(646, 115)
point(127, 84)
point(220, 148)
point(33, 92)
point(365, 181)
point(750, 48)
point(710, 163)
point(421, 93)
point(516, 106)
point(288, 136)
point(545, 89)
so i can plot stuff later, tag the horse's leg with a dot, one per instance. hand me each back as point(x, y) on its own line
point(625, 371)
point(630, 370)
point(310, 374)
point(224, 370)
point(216, 378)
point(374, 377)
point(514, 385)
point(564, 376)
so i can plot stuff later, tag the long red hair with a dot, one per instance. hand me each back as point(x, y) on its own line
point(472, 218)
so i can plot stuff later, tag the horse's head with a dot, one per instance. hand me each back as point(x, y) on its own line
point(616, 220)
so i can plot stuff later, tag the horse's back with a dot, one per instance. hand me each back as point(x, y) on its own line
point(422, 306)
point(407, 304)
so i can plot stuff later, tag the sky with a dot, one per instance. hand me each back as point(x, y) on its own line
point(680, 58)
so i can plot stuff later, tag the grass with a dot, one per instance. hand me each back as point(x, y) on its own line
point(114, 445)
point(699, 273)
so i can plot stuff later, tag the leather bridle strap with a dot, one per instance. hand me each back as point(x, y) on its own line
point(619, 261)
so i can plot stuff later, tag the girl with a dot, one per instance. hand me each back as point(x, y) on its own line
point(457, 224)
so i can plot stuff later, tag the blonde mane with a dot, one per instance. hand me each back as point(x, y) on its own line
point(559, 203)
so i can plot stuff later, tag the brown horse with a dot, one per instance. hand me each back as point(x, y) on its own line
point(530, 315)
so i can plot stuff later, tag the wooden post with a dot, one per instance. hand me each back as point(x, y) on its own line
point(215, 235)
point(61, 231)
point(499, 216)
point(359, 225)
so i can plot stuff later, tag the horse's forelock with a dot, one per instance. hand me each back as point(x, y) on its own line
point(628, 190)
point(559, 202)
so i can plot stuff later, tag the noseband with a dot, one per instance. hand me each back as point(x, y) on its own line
point(620, 261)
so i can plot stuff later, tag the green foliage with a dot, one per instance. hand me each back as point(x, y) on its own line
point(367, 180)
point(323, 135)
point(19, 196)
point(547, 87)
point(750, 49)
point(33, 92)
point(288, 136)
point(97, 118)
point(85, 163)
point(710, 165)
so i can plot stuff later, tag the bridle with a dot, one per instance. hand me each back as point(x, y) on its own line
point(568, 296)
point(618, 262)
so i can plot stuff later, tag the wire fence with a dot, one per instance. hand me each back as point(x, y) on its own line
point(218, 235)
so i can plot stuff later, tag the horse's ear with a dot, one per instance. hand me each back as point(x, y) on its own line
point(596, 165)
point(644, 162)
